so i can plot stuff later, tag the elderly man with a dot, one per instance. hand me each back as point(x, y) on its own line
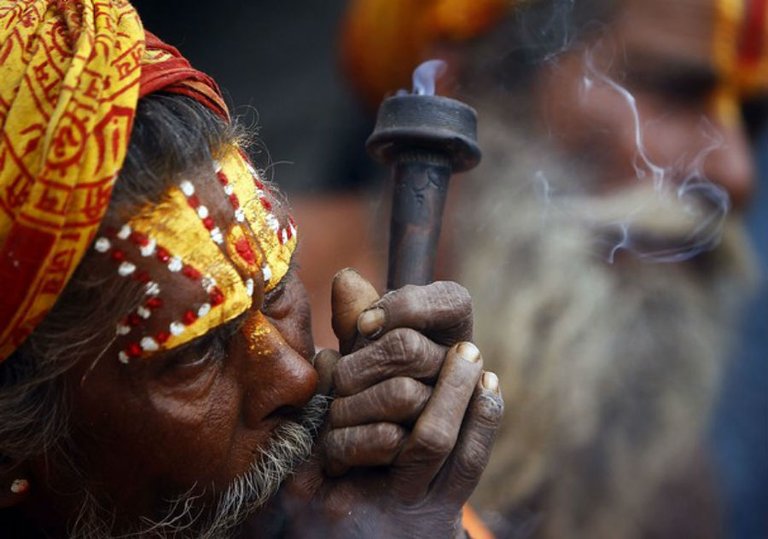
point(603, 241)
point(155, 374)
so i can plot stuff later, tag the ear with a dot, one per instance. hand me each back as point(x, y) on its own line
point(15, 483)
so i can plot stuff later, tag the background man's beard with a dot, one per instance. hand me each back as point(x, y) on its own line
point(608, 371)
point(290, 445)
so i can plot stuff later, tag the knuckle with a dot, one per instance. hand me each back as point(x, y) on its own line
point(405, 344)
point(405, 393)
point(458, 295)
point(337, 440)
point(432, 440)
point(343, 376)
point(388, 436)
point(469, 465)
point(340, 413)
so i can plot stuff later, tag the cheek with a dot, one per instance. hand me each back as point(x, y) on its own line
point(195, 431)
point(161, 440)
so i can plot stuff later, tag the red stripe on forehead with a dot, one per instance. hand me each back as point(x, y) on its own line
point(752, 43)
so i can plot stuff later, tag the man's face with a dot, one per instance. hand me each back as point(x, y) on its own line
point(193, 419)
point(688, 119)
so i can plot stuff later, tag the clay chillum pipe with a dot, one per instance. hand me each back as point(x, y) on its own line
point(424, 139)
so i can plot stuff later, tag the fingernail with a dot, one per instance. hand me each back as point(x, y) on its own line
point(491, 382)
point(468, 352)
point(371, 322)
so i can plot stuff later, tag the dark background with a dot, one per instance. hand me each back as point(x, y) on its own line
point(276, 62)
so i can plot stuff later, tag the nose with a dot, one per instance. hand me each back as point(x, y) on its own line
point(276, 377)
point(732, 165)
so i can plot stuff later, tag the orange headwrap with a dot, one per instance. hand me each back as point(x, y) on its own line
point(71, 74)
point(384, 40)
point(740, 49)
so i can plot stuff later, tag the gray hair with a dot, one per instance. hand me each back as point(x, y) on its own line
point(172, 135)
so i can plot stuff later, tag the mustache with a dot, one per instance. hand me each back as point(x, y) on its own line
point(653, 226)
point(291, 444)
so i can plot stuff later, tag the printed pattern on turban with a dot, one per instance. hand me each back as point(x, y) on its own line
point(71, 75)
point(384, 40)
point(69, 83)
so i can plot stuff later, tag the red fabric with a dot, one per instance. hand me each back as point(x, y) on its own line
point(22, 251)
point(174, 74)
point(753, 39)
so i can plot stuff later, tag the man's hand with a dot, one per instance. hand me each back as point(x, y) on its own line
point(413, 421)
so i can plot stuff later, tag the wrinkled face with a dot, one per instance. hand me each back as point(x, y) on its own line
point(151, 426)
point(677, 62)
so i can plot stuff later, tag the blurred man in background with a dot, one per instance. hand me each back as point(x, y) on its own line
point(602, 235)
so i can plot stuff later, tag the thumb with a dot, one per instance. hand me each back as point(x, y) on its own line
point(351, 294)
point(325, 363)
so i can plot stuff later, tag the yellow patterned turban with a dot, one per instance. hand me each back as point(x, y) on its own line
point(384, 40)
point(71, 75)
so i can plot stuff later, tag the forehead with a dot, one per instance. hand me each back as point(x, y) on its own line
point(684, 29)
point(204, 253)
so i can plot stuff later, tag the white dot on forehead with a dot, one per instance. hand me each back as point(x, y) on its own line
point(102, 245)
point(152, 288)
point(204, 309)
point(126, 269)
point(124, 233)
point(177, 328)
point(208, 283)
point(148, 344)
point(149, 248)
point(202, 212)
point(187, 188)
point(122, 329)
point(175, 264)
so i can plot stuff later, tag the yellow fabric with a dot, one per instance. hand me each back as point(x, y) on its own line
point(69, 83)
point(384, 40)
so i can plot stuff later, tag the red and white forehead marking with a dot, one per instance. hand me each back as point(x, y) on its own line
point(126, 246)
point(127, 243)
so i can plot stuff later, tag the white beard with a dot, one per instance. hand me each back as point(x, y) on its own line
point(608, 370)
